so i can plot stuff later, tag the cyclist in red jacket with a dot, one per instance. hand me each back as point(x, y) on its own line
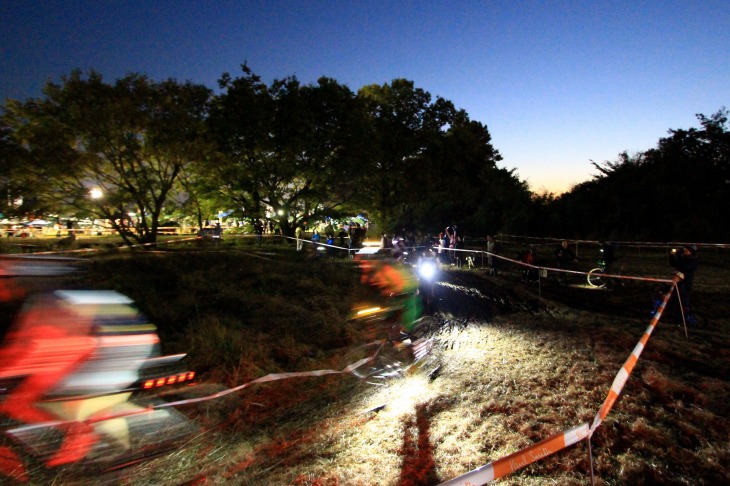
point(46, 345)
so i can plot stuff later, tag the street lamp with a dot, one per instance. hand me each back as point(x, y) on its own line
point(95, 193)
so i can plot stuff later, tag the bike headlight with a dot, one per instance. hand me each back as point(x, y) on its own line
point(427, 270)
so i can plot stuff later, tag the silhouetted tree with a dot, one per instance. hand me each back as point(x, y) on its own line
point(291, 148)
point(130, 139)
point(430, 165)
point(676, 191)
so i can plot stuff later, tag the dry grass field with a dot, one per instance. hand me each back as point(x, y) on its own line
point(511, 364)
point(517, 364)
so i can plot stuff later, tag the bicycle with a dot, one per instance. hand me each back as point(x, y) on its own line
point(596, 277)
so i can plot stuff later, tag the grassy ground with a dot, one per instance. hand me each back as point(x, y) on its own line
point(518, 363)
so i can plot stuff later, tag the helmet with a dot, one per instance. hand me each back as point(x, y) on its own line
point(692, 248)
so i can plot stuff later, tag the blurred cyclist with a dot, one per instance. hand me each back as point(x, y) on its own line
point(46, 345)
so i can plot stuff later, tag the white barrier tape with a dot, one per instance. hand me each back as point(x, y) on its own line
point(623, 374)
point(93, 250)
point(637, 244)
point(576, 272)
point(319, 243)
point(513, 462)
point(271, 377)
point(493, 255)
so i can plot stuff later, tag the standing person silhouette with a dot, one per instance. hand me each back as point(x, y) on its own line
point(492, 249)
point(452, 235)
point(298, 232)
point(685, 260)
point(564, 257)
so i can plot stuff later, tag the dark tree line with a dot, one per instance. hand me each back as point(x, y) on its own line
point(295, 152)
point(133, 141)
point(299, 153)
point(677, 191)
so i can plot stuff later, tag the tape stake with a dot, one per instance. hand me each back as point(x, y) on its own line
point(513, 462)
point(623, 374)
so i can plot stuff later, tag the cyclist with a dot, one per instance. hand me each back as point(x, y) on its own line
point(72, 344)
point(608, 254)
point(47, 344)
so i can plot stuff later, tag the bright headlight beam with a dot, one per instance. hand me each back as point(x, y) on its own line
point(427, 270)
point(371, 310)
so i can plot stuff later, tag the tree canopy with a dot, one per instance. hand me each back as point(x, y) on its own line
point(677, 191)
point(130, 140)
point(294, 152)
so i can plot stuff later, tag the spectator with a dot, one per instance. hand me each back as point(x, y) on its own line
point(386, 245)
point(385, 242)
point(564, 257)
point(529, 273)
point(329, 230)
point(443, 245)
point(258, 229)
point(330, 245)
point(341, 236)
point(452, 235)
point(356, 236)
point(459, 245)
point(492, 249)
point(685, 260)
point(410, 238)
point(298, 234)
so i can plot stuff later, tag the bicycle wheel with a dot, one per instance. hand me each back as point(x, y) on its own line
point(17, 466)
point(595, 278)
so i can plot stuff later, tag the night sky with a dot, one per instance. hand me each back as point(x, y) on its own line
point(558, 83)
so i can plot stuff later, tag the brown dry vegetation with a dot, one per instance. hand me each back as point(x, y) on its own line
point(518, 363)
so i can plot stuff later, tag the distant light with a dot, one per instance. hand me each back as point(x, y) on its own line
point(280, 212)
point(96, 193)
